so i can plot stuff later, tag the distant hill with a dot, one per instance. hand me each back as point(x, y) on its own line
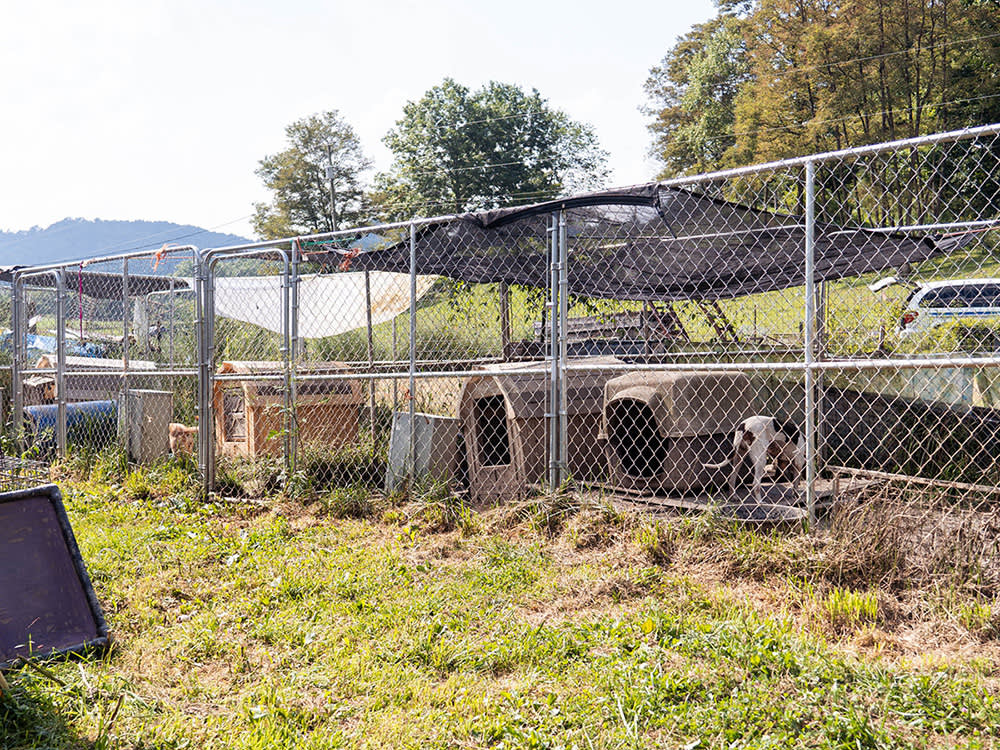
point(71, 239)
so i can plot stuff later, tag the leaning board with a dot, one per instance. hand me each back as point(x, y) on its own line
point(47, 604)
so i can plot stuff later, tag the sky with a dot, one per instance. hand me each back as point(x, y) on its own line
point(161, 109)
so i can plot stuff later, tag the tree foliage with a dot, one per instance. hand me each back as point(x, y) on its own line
point(694, 90)
point(456, 150)
point(770, 79)
point(297, 178)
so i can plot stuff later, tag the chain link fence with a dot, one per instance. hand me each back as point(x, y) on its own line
point(815, 338)
point(104, 358)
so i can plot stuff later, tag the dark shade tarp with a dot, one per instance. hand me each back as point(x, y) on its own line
point(649, 242)
point(98, 284)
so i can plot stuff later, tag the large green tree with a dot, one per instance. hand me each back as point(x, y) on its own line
point(456, 150)
point(768, 79)
point(297, 178)
point(692, 95)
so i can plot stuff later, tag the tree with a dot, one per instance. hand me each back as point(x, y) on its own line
point(297, 177)
point(769, 79)
point(694, 91)
point(457, 150)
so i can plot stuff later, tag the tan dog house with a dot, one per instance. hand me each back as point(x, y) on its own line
point(663, 427)
point(249, 413)
point(504, 423)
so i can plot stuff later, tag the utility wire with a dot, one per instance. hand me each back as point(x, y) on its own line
point(787, 71)
point(884, 55)
point(847, 118)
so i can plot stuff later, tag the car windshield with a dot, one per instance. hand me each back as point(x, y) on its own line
point(965, 295)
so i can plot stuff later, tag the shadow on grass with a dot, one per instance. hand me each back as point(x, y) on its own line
point(31, 718)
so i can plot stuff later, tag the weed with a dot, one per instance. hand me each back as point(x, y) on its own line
point(658, 540)
point(845, 609)
point(109, 466)
point(349, 502)
point(438, 509)
point(978, 618)
point(596, 527)
point(137, 486)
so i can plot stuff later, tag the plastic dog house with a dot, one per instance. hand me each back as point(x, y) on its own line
point(662, 427)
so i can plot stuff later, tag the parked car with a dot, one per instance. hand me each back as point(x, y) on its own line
point(935, 302)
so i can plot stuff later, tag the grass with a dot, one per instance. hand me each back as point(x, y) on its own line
point(361, 621)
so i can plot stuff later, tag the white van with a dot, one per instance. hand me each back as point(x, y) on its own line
point(936, 302)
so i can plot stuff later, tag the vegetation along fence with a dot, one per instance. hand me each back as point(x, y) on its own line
point(616, 340)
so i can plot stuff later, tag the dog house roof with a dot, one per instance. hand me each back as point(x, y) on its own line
point(685, 404)
point(307, 389)
point(527, 393)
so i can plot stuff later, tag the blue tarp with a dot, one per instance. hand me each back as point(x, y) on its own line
point(38, 345)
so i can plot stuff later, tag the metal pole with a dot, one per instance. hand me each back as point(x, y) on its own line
point(809, 331)
point(371, 355)
point(60, 363)
point(296, 352)
point(504, 291)
point(204, 330)
point(554, 334)
point(563, 328)
point(412, 454)
point(286, 366)
point(18, 331)
point(125, 312)
point(123, 396)
point(172, 312)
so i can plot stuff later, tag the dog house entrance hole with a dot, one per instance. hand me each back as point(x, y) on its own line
point(637, 442)
point(234, 415)
point(492, 432)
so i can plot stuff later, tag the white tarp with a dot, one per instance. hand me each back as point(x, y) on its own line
point(328, 305)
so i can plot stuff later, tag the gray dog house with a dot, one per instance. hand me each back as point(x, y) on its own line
point(662, 427)
point(504, 424)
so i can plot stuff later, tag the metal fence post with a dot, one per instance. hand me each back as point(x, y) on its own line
point(563, 459)
point(125, 329)
point(60, 362)
point(809, 335)
point(296, 353)
point(412, 454)
point(552, 413)
point(204, 322)
point(17, 360)
point(286, 365)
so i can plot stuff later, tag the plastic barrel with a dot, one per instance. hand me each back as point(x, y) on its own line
point(91, 423)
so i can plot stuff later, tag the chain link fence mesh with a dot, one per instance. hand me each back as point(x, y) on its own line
point(816, 337)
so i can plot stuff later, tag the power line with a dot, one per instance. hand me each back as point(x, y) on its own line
point(787, 71)
point(846, 118)
point(884, 55)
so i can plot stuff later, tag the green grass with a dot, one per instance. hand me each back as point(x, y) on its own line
point(306, 627)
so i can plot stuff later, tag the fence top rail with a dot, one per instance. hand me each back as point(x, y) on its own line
point(844, 153)
point(73, 264)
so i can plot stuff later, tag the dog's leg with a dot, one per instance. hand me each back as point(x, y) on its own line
point(758, 458)
point(737, 459)
point(799, 463)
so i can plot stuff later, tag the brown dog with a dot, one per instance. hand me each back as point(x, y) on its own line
point(182, 438)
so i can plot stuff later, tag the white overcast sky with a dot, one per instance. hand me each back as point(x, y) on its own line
point(161, 109)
